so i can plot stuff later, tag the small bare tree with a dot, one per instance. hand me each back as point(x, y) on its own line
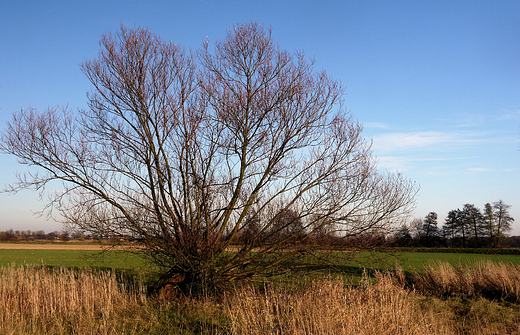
point(503, 220)
point(182, 151)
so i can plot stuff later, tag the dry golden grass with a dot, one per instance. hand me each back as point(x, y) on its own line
point(492, 280)
point(426, 303)
point(36, 300)
point(330, 307)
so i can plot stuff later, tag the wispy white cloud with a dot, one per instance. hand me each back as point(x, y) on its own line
point(465, 120)
point(478, 169)
point(442, 153)
point(441, 171)
point(376, 125)
point(412, 142)
point(405, 141)
point(393, 163)
point(464, 124)
point(509, 115)
point(403, 163)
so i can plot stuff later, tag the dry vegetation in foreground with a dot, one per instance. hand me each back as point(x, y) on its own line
point(441, 300)
point(329, 307)
point(388, 304)
point(488, 279)
point(36, 300)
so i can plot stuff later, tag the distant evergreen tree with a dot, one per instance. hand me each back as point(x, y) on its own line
point(429, 231)
point(480, 228)
point(488, 222)
point(473, 221)
point(403, 237)
point(448, 229)
point(457, 228)
point(503, 220)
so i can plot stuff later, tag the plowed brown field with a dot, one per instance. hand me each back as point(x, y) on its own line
point(52, 246)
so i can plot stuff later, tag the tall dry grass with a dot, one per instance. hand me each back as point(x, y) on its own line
point(36, 300)
point(490, 280)
point(330, 307)
point(391, 303)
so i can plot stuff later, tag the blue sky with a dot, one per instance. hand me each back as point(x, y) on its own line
point(436, 84)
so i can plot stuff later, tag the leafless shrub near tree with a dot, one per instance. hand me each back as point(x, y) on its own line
point(188, 152)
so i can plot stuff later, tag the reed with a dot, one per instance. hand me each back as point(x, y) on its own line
point(38, 300)
point(496, 281)
point(443, 299)
point(331, 307)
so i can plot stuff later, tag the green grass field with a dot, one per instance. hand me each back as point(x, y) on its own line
point(339, 262)
point(119, 260)
point(410, 261)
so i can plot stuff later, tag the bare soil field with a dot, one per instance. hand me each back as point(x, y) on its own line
point(52, 246)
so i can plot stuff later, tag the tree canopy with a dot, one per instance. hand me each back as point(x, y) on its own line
point(184, 152)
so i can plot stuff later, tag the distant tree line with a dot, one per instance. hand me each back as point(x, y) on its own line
point(40, 235)
point(468, 227)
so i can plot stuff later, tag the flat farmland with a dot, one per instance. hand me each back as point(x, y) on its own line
point(68, 255)
point(417, 260)
point(116, 301)
point(93, 255)
point(354, 263)
point(52, 246)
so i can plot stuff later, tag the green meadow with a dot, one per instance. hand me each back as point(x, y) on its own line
point(338, 262)
point(118, 260)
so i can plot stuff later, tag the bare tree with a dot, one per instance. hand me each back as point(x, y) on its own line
point(488, 220)
point(179, 150)
point(473, 219)
point(503, 219)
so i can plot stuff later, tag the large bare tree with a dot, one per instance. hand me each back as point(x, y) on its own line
point(184, 152)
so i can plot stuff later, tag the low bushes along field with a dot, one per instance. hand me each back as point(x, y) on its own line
point(442, 299)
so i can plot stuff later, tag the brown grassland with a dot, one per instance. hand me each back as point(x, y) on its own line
point(52, 246)
point(443, 299)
